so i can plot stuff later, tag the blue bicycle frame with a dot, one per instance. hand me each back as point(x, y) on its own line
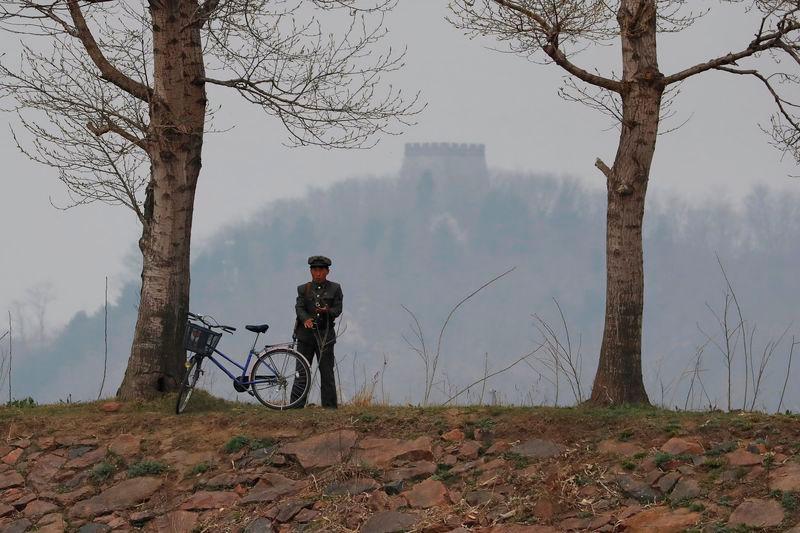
point(243, 379)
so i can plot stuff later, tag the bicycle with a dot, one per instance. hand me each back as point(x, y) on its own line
point(277, 369)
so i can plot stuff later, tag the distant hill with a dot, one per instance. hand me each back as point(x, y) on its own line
point(440, 229)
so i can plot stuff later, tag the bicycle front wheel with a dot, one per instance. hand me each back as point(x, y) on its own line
point(280, 378)
point(190, 378)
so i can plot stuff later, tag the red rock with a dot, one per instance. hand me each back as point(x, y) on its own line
point(24, 500)
point(615, 447)
point(492, 465)
point(321, 451)
point(351, 487)
point(13, 456)
point(88, 459)
point(381, 452)
point(449, 459)
point(68, 498)
point(306, 515)
point(111, 407)
point(286, 511)
point(388, 522)
point(483, 435)
point(661, 520)
point(785, 478)
point(754, 473)
point(121, 496)
point(5, 510)
point(9, 479)
point(545, 509)
point(538, 449)
point(427, 494)
point(574, 523)
point(678, 446)
point(469, 450)
point(174, 522)
point(41, 475)
point(686, 489)
point(271, 487)
point(125, 445)
point(454, 435)
point(38, 508)
point(666, 482)
point(411, 471)
point(21, 443)
point(52, 523)
point(183, 460)
point(741, 457)
point(498, 447)
point(203, 500)
point(46, 443)
point(520, 528)
point(754, 512)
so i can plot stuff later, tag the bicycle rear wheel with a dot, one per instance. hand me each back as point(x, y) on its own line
point(280, 378)
point(190, 378)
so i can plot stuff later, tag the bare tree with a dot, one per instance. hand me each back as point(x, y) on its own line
point(113, 96)
point(431, 358)
point(555, 32)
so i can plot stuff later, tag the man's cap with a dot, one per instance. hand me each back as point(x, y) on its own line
point(319, 261)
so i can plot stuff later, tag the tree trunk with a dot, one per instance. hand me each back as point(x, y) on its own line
point(177, 115)
point(619, 373)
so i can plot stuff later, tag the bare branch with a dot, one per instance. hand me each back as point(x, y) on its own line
point(108, 71)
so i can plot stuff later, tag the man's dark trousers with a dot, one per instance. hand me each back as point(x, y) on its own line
point(326, 375)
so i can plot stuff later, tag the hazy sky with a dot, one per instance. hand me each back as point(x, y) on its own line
point(473, 95)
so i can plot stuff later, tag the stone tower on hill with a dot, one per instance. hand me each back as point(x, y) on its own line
point(448, 164)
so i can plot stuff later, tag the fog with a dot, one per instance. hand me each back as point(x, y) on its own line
point(54, 262)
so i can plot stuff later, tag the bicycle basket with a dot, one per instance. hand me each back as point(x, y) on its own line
point(200, 340)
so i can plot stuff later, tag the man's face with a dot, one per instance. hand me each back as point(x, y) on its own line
point(319, 274)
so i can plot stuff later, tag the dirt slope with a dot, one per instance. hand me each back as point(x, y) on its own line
point(233, 467)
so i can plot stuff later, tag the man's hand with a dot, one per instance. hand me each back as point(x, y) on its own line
point(309, 324)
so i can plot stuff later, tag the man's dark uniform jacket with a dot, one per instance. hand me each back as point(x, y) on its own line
point(309, 296)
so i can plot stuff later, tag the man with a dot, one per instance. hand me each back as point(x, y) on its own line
point(319, 302)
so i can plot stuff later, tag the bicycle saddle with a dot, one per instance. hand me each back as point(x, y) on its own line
point(258, 329)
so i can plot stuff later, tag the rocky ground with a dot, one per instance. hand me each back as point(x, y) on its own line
point(229, 467)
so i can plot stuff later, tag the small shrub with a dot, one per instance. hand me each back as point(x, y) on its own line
point(769, 460)
point(720, 449)
point(24, 403)
point(366, 418)
point(697, 507)
point(789, 501)
point(673, 428)
point(485, 424)
point(443, 473)
point(519, 461)
point(102, 471)
point(201, 468)
point(714, 463)
point(662, 458)
point(628, 465)
point(639, 456)
point(625, 435)
point(236, 443)
point(146, 468)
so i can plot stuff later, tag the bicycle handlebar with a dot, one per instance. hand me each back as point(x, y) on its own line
point(205, 320)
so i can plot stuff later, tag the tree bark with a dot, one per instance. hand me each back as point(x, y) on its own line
point(177, 116)
point(619, 374)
